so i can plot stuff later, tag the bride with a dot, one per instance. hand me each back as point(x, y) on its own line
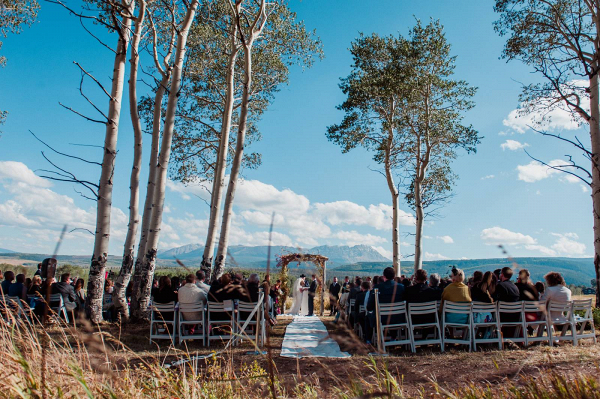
point(300, 304)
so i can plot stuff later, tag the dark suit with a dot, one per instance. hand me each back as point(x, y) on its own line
point(312, 291)
point(334, 292)
point(389, 292)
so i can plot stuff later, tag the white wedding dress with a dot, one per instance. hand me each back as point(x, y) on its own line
point(300, 304)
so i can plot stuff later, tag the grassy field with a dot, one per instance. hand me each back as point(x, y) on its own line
point(113, 360)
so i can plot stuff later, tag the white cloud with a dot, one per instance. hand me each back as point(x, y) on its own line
point(19, 172)
point(429, 256)
point(388, 254)
point(377, 216)
point(446, 239)
point(488, 177)
point(498, 235)
point(584, 188)
point(542, 249)
point(513, 145)
point(353, 237)
point(535, 171)
point(566, 245)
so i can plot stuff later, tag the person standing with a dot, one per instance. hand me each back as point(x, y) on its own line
point(346, 285)
point(312, 291)
point(334, 295)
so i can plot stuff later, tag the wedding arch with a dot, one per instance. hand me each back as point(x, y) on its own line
point(320, 262)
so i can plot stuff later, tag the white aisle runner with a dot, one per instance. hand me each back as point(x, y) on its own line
point(306, 336)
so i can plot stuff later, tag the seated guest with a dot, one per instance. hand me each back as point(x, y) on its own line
point(18, 288)
point(484, 290)
point(165, 292)
point(36, 286)
point(175, 283)
point(476, 279)
point(190, 293)
point(506, 290)
point(80, 294)
point(419, 292)
point(361, 300)
point(220, 288)
point(434, 284)
point(389, 292)
point(249, 289)
point(108, 306)
point(539, 286)
point(9, 276)
point(406, 282)
point(356, 289)
point(65, 289)
point(201, 281)
point(457, 291)
point(527, 291)
point(28, 283)
point(556, 291)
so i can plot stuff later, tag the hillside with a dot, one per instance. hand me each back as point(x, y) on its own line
point(578, 271)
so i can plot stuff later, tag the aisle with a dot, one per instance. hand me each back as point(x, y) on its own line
point(307, 337)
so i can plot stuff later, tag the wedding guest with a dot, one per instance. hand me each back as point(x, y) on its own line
point(389, 292)
point(539, 286)
point(201, 281)
point(175, 283)
point(80, 294)
point(190, 293)
point(38, 272)
point(28, 283)
point(65, 289)
point(346, 284)
point(108, 306)
point(334, 296)
point(506, 290)
point(9, 276)
point(457, 291)
point(165, 292)
point(434, 284)
point(36, 286)
point(18, 288)
point(527, 291)
point(557, 290)
point(484, 290)
point(361, 302)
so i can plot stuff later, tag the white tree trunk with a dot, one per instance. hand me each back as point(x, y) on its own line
point(221, 166)
point(419, 224)
point(149, 260)
point(235, 167)
point(95, 288)
point(394, 193)
point(119, 293)
point(595, 146)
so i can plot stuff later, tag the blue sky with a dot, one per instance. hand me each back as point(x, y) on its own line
point(320, 195)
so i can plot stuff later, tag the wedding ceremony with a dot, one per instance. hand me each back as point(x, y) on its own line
point(299, 199)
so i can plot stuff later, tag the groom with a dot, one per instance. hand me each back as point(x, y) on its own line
point(312, 291)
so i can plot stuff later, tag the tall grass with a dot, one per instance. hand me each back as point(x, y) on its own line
point(57, 361)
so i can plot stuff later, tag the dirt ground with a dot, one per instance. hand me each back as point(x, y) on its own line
point(452, 369)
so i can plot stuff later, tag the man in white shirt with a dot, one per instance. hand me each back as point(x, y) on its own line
point(200, 277)
point(191, 294)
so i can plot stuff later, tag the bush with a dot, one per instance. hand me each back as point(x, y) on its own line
point(17, 269)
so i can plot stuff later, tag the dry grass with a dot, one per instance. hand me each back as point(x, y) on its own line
point(110, 361)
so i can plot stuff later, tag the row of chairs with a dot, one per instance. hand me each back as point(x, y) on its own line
point(14, 308)
point(476, 323)
point(217, 321)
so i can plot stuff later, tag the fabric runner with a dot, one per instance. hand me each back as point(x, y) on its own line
point(306, 336)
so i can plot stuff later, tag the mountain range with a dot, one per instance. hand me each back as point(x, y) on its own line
point(244, 256)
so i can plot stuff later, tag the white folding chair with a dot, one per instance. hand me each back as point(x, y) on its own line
point(561, 315)
point(454, 326)
point(220, 315)
point(253, 327)
point(422, 310)
point(539, 325)
point(159, 327)
point(486, 324)
point(197, 323)
point(582, 321)
point(57, 305)
point(393, 317)
point(518, 324)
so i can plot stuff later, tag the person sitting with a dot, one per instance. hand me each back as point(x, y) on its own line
point(484, 290)
point(165, 294)
point(9, 276)
point(506, 290)
point(419, 292)
point(389, 292)
point(221, 289)
point(539, 286)
point(434, 285)
point(18, 288)
point(108, 304)
point(456, 291)
point(527, 291)
point(201, 282)
point(65, 289)
point(175, 284)
point(361, 300)
point(249, 289)
point(36, 286)
point(476, 279)
point(557, 291)
point(190, 293)
point(80, 294)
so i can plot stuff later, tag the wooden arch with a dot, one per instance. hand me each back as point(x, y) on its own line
point(319, 260)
